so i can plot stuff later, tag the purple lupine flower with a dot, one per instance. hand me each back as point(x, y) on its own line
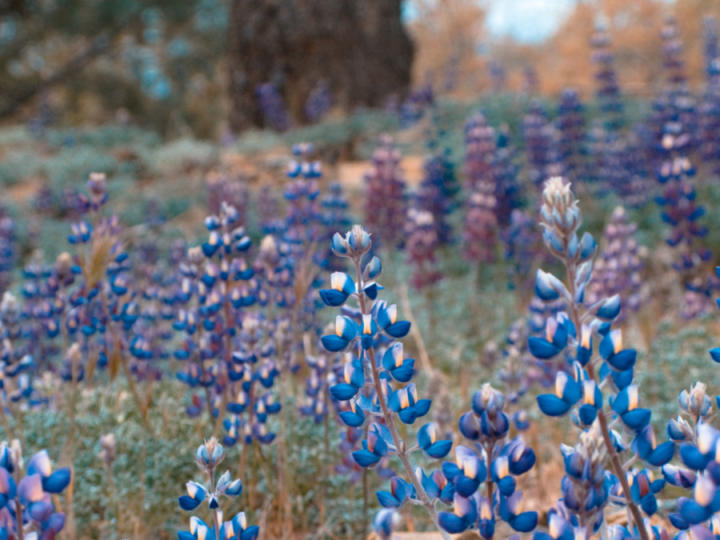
point(268, 209)
point(273, 108)
point(480, 225)
point(521, 243)
point(385, 200)
point(618, 269)
point(7, 249)
point(709, 105)
point(675, 102)
point(318, 102)
point(420, 244)
point(436, 193)
point(509, 192)
point(498, 76)
point(531, 81)
point(607, 89)
point(614, 169)
point(221, 187)
point(681, 211)
point(541, 146)
point(335, 217)
point(570, 124)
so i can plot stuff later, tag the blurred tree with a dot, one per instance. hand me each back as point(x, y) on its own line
point(449, 34)
point(156, 60)
point(359, 48)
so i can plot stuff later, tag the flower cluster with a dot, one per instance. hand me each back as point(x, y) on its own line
point(385, 200)
point(618, 269)
point(482, 481)
point(709, 105)
point(480, 220)
point(208, 457)
point(541, 146)
point(7, 249)
point(570, 124)
point(26, 494)
point(681, 211)
point(233, 190)
point(318, 102)
point(375, 356)
point(582, 389)
point(607, 88)
point(437, 193)
point(420, 245)
point(273, 108)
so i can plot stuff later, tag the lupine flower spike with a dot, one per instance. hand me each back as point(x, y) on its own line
point(371, 342)
point(208, 457)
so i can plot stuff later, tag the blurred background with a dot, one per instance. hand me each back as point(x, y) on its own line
point(215, 68)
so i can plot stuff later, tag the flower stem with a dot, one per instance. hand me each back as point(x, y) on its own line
point(571, 268)
point(389, 420)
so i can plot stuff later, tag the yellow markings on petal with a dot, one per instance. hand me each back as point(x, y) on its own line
point(589, 392)
point(485, 512)
point(585, 335)
point(617, 341)
point(555, 525)
point(470, 466)
point(337, 280)
point(404, 398)
point(35, 492)
point(392, 313)
point(261, 407)
point(706, 438)
point(397, 353)
point(339, 325)
point(704, 490)
point(43, 463)
point(632, 397)
point(432, 433)
point(560, 382)
point(347, 372)
point(502, 467)
point(192, 489)
point(367, 324)
point(372, 438)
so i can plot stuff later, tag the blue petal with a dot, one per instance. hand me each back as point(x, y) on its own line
point(333, 343)
point(188, 503)
point(57, 481)
point(524, 522)
point(552, 405)
point(439, 449)
point(333, 298)
point(542, 348)
point(386, 499)
point(365, 458)
point(451, 523)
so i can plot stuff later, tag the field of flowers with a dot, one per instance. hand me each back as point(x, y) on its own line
point(504, 327)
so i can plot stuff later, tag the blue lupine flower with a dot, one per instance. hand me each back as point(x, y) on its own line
point(400, 491)
point(612, 351)
point(643, 490)
point(626, 405)
point(568, 392)
point(645, 445)
point(428, 440)
point(406, 404)
point(374, 448)
point(353, 380)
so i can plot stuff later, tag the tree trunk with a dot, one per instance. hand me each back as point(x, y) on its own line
point(359, 47)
